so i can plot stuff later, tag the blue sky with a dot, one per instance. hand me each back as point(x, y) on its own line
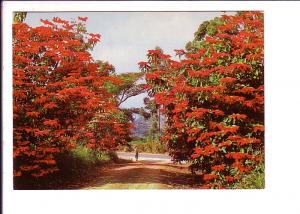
point(126, 36)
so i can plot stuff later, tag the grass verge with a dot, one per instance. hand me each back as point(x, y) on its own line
point(75, 168)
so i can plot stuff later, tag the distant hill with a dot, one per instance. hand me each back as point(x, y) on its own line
point(141, 126)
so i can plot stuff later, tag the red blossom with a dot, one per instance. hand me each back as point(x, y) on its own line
point(154, 52)
point(46, 22)
point(59, 95)
point(227, 80)
point(258, 128)
point(50, 105)
point(33, 114)
point(164, 56)
point(218, 167)
point(179, 52)
point(219, 127)
point(238, 116)
point(208, 177)
point(82, 18)
point(229, 179)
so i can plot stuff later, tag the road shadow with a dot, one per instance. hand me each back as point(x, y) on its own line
point(120, 172)
point(147, 173)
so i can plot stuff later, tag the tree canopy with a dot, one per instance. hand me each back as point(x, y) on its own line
point(61, 98)
point(213, 98)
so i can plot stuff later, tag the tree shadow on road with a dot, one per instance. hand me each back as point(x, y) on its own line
point(123, 172)
point(170, 176)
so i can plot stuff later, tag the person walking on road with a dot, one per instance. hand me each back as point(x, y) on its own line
point(136, 155)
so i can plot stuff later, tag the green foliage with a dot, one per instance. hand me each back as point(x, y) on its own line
point(147, 145)
point(202, 30)
point(254, 180)
point(19, 17)
point(78, 164)
point(129, 86)
point(82, 157)
point(130, 77)
point(61, 100)
point(213, 99)
point(89, 156)
point(105, 67)
point(206, 28)
point(111, 87)
point(154, 115)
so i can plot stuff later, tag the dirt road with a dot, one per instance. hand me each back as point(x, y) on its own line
point(152, 171)
point(145, 156)
point(145, 174)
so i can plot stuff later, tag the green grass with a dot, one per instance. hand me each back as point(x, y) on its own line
point(83, 157)
point(79, 164)
point(253, 180)
point(89, 156)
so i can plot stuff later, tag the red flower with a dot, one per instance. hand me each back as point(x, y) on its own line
point(33, 114)
point(208, 177)
point(238, 116)
point(82, 18)
point(89, 134)
point(226, 143)
point(227, 80)
point(53, 123)
point(229, 179)
point(50, 105)
point(150, 76)
point(218, 112)
point(17, 173)
point(218, 167)
point(258, 128)
point(197, 113)
point(245, 141)
point(142, 63)
point(222, 83)
point(164, 56)
point(154, 52)
point(238, 155)
point(231, 129)
point(179, 52)
point(59, 20)
point(46, 22)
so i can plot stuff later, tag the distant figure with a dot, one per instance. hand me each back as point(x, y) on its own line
point(136, 155)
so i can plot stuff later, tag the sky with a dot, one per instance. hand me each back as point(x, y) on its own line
point(126, 36)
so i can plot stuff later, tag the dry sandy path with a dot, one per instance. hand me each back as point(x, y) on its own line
point(145, 174)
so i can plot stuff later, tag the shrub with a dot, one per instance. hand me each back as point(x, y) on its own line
point(60, 96)
point(254, 180)
point(213, 98)
point(146, 145)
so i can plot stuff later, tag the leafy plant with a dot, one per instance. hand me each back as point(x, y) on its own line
point(254, 180)
point(61, 96)
point(213, 98)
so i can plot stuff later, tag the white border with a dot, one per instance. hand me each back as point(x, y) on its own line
point(282, 124)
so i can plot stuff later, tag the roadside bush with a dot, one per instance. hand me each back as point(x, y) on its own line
point(254, 180)
point(213, 98)
point(76, 164)
point(61, 96)
point(147, 145)
point(82, 157)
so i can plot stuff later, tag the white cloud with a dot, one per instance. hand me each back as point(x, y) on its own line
point(126, 40)
point(126, 36)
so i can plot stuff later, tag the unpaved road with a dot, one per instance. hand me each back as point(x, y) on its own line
point(154, 171)
point(144, 174)
point(145, 156)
